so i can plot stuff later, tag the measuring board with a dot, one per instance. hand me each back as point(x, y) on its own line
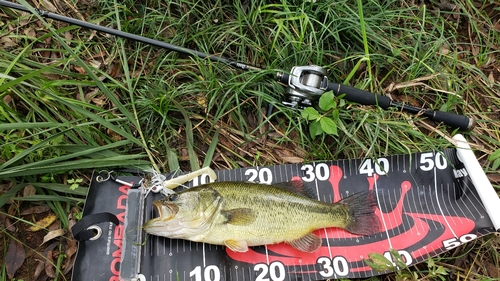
point(427, 205)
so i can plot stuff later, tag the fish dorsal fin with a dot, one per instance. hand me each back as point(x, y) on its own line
point(307, 243)
point(237, 245)
point(295, 186)
point(239, 216)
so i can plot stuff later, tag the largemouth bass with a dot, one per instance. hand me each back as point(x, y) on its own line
point(243, 214)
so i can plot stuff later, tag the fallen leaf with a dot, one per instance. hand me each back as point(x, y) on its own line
point(71, 218)
point(114, 70)
point(9, 225)
point(95, 64)
point(30, 32)
point(13, 209)
point(447, 5)
point(29, 190)
point(39, 269)
point(293, 159)
point(7, 42)
point(43, 223)
point(72, 246)
point(202, 101)
point(99, 100)
point(71, 249)
point(68, 265)
point(35, 210)
point(53, 226)
point(101, 54)
point(492, 270)
point(49, 6)
point(80, 70)
point(46, 54)
point(14, 258)
point(113, 135)
point(49, 261)
point(53, 234)
point(491, 78)
point(68, 36)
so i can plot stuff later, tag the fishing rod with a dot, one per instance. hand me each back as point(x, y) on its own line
point(305, 84)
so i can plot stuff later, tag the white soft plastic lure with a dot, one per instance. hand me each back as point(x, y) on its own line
point(160, 184)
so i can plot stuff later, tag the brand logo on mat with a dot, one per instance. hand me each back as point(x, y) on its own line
point(121, 205)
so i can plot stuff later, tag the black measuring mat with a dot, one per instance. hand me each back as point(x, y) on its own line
point(426, 204)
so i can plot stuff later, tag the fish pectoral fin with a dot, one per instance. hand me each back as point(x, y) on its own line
point(240, 216)
point(237, 245)
point(307, 243)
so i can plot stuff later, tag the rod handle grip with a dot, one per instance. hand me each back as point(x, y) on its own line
point(359, 96)
point(367, 98)
point(454, 120)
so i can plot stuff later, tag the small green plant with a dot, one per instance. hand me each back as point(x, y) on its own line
point(75, 183)
point(495, 159)
point(393, 262)
point(379, 262)
point(325, 122)
point(436, 271)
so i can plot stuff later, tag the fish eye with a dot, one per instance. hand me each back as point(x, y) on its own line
point(173, 197)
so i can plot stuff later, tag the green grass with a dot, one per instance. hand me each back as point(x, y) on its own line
point(73, 100)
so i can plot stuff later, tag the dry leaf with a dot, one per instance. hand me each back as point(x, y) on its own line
point(46, 54)
point(101, 54)
point(68, 36)
point(29, 190)
point(53, 234)
point(30, 32)
point(95, 64)
point(35, 210)
point(71, 249)
point(72, 246)
point(293, 159)
point(9, 225)
point(492, 270)
point(7, 42)
point(71, 219)
point(14, 258)
point(98, 100)
point(202, 101)
point(114, 136)
point(49, 6)
point(43, 223)
point(13, 207)
point(80, 70)
point(447, 5)
point(39, 269)
point(49, 261)
point(114, 70)
point(491, 78)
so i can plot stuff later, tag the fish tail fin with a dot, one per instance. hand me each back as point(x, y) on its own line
point(361, 211)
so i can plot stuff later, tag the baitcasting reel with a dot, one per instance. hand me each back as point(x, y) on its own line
point(306, 84)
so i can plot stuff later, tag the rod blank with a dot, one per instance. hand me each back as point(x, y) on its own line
point(352, 94)
point(131, 36)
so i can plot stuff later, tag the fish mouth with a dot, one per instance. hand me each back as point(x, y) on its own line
point(164, 212)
